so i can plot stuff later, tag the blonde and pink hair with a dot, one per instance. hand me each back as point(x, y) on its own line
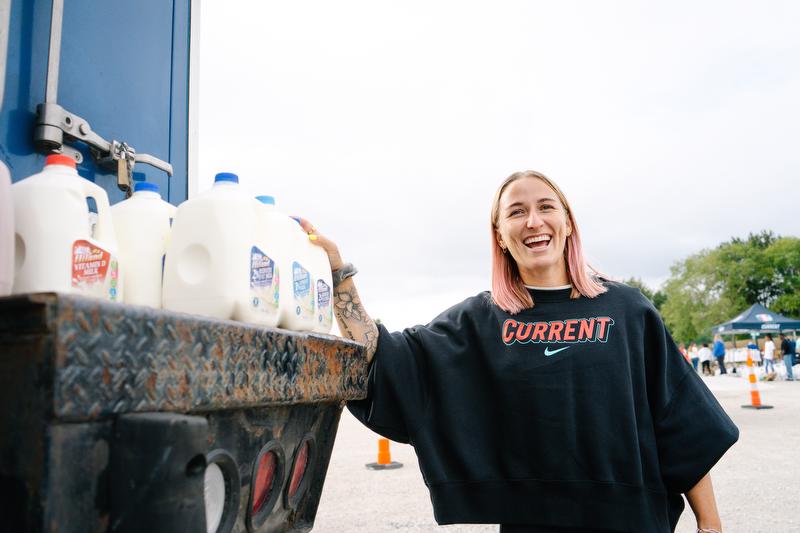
point(508, 290)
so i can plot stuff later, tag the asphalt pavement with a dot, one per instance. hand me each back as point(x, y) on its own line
point(757, 483)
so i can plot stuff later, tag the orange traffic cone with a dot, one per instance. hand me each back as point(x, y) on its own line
point(755, 397)
point(384, 457)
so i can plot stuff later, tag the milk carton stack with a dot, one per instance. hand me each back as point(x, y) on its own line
point(227, 255)
point(143, 225)
point(6, 232)
point(55, 247)
point(302, 281)
point(232, 256)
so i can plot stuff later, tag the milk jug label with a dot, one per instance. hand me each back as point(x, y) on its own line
point(264, 282)
point(324, 310)
point(94, 270)
point(303, 291)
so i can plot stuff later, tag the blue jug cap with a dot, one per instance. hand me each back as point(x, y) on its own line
point(146, 186)
point(269, 200)
point(226, 176)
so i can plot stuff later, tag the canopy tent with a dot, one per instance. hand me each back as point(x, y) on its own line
point(757, 319)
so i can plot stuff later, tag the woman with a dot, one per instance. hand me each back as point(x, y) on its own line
point(556, 403)
point(769, 354)
point(694, 356)
point(705, 360)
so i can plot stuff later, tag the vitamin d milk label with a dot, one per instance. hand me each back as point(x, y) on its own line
point(264, 282)
point(303, 291)
point(324, 309)
point(94, 271)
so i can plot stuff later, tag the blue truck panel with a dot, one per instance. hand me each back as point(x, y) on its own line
point(124, 68)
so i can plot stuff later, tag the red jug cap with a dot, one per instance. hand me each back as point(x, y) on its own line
point(59, 159)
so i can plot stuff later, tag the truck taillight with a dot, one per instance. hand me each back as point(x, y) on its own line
point(298, 482)
point(221, 493)
point(265, 484)
point(265, 478)
point(299, 469)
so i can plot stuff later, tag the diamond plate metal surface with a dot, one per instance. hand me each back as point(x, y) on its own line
point(71, 365)
point(114, 358)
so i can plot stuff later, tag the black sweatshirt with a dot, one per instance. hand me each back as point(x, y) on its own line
point(577, 413)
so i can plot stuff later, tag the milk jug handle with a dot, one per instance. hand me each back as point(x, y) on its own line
point(104, 231)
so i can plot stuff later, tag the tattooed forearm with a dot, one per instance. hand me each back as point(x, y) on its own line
point(354, 322)
point(348, 304)
point(371, 340)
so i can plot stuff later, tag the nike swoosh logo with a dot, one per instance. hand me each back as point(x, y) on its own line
point(548, 352)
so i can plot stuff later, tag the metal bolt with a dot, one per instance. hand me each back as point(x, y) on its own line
point(84, 128)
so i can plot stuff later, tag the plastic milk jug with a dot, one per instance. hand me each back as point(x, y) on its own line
point(270, 268)
point(261, 303)
point(298, 285)
point(6, 232)
point(323, 287)
point(143, 226)
point(294, 281)
point(55, 249)
point(210, 254)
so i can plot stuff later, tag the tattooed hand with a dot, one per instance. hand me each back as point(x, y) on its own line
point(353, 320)
point(323, 242)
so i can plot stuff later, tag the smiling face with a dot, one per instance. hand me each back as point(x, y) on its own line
point(533, 226)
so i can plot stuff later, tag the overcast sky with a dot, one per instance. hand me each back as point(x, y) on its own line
point(670, 127)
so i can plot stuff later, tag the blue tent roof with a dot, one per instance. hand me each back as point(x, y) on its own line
point(757, 318)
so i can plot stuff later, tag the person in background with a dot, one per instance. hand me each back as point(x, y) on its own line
point(788, 356)
point(719, 354)
point(705, 359)
point(694, 357)
point(769, 354)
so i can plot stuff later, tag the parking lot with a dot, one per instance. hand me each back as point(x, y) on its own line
point(757, 482)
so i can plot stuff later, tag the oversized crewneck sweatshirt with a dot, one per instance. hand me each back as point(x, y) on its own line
point(576, 413)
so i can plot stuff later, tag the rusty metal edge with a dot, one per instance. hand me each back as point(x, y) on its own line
point(110, 358)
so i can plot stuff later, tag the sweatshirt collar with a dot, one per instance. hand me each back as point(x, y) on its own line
point(550, 294)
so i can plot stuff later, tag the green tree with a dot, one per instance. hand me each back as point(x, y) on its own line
point(711, 286)
point(747, 270)
point(784, 256)
point(694, 299)
point(657, 297)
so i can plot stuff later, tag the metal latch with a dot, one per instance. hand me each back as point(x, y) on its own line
point(55, 125)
